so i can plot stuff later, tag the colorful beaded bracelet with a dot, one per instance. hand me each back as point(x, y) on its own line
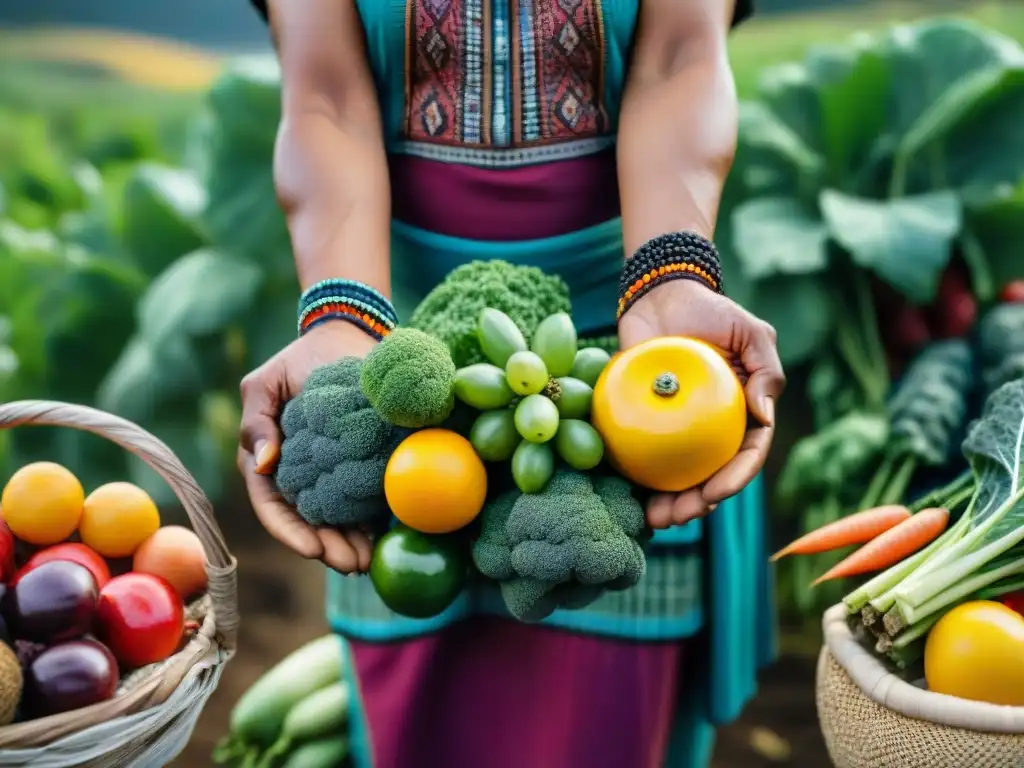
point(348, 290)
point(347, 300)
point(680, 255)
point(341, 311)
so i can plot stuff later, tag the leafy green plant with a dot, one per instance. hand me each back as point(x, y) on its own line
point(865, 172)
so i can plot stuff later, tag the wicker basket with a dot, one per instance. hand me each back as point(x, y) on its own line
point(150, 719)
point(873, 719)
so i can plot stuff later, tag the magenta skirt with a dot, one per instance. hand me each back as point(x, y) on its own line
point(492, 693)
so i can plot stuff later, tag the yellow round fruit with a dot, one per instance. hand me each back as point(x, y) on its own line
point(42, 503)
point(435, 482)
point(671, 412)
point(976, 651)
point(117, 518)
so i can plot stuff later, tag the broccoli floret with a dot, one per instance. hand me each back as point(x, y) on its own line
point(451, 310)
point(335, 450)
point(562, 547)
point(409, 378)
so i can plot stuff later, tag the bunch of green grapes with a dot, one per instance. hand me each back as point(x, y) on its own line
point(534, 398)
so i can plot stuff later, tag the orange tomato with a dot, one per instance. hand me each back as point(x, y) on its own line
point(671, 412)
point(435, 482)
point(175, 554)
point(42, 503)
point(117, 518)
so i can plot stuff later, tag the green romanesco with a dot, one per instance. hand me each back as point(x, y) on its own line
point(562, 547)
point(335, 449)
point(409, 378)
point(451, 310)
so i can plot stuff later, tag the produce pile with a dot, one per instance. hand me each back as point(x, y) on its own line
point(942, 565)
point(904, 441)
point(91, 589)
point(485, 433)
point(295, 715)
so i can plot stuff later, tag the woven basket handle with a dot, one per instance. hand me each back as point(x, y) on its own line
point(220, 566)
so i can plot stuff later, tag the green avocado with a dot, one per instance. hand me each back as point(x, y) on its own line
point(418, 575)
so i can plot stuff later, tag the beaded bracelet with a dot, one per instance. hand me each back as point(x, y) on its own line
point(678, 255)
point(348, 300)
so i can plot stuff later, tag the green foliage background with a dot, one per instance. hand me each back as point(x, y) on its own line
point(145, 266)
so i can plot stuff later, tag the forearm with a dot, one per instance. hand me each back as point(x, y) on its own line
point(677, 139)
point(333, 187)
point(330, 169)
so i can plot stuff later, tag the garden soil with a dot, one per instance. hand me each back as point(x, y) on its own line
point(281, 604)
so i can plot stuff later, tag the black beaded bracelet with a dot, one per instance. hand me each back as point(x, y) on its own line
point(678, 255)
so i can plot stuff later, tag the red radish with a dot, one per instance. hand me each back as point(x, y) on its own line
point(890, 547)
point(71, 552)
point(955, 309)
point(911, 329)
point(1013, 292)
point(853, 529)
point(1014, 601)
point(140, 618)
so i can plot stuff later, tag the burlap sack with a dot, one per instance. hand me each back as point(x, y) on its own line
point(871, 718)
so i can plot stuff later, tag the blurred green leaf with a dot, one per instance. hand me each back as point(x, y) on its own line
point(800, 308)
point(996, 221)
point(907, 242)
point(194, 446)
point(199, 294)
point(147, 376)
point(236, 160)
point(161, 215)
point(777, 235)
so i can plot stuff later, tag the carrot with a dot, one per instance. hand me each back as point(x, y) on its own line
point(857, 528)
point(888, 548)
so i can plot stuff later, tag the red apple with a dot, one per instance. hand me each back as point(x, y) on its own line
point(140, 618)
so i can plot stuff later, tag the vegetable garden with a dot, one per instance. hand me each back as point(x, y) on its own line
point(875, 217)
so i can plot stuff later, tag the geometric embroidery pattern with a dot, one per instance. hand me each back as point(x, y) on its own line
point(530, 72)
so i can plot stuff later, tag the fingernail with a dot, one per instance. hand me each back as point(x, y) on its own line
point(768, 409)
point(263, 452)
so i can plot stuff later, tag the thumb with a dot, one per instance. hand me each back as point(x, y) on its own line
point(259, 434)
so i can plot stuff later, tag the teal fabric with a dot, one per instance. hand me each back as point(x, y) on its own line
point(384, 22)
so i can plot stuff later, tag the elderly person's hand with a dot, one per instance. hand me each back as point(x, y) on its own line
point(265, 392)
point(689, 308)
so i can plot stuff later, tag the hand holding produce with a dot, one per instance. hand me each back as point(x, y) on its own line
point(671, 412)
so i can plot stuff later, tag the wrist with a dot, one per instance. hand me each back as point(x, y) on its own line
point(675, 256)
point(349, 301)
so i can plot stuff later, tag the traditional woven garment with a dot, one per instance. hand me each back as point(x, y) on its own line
point(500, 118)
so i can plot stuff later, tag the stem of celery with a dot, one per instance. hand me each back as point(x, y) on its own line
point(960, 590)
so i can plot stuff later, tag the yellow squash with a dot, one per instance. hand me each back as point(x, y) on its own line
point(976, 651)
point(671, 412)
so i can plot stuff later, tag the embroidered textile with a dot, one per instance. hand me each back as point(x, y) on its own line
point(504, 73)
